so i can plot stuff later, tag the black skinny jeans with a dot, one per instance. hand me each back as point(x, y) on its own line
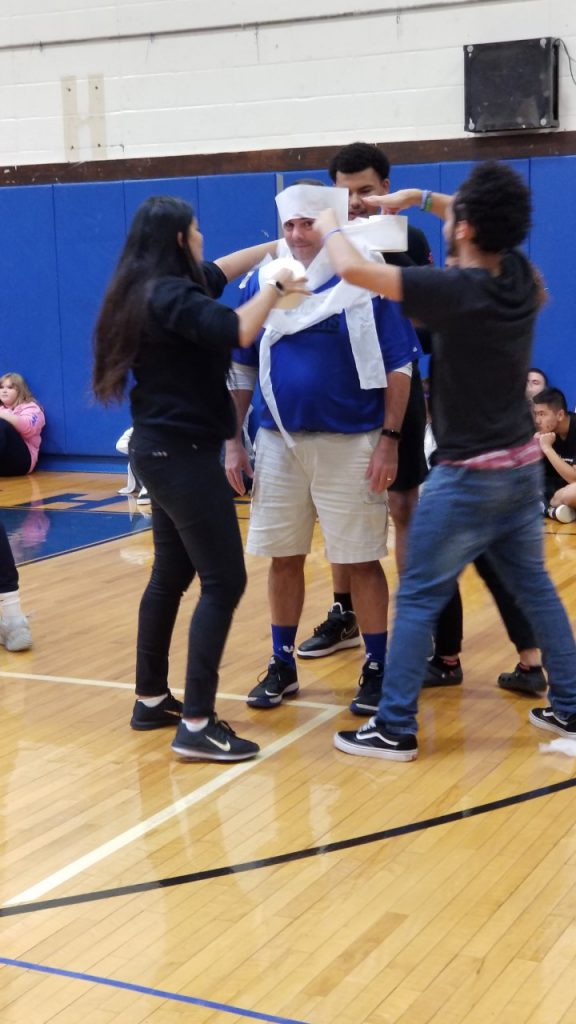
point(448, 638)
point(195, 530)
point(15, 459)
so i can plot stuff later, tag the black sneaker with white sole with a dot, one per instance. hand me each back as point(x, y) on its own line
point(217, 741)
point(530, 681)
point(544, 718)
point(336, 633)
point(281, 680)
point(369, 692)
point(371, 740)
point(168, 713)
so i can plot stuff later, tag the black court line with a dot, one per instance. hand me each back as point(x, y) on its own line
point(289, 858)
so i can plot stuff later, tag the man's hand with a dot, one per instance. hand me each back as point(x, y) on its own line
point(325, 221)
point(236, 463)
point(383, 465)
point(546, 440)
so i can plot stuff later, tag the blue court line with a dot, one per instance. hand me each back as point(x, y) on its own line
point(144, 990)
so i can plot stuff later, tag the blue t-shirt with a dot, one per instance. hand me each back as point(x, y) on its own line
point(314, 377)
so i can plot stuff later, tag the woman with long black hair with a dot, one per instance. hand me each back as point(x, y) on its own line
point(160, 324)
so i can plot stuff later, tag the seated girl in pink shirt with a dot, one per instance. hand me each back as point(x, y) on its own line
point(21, 424)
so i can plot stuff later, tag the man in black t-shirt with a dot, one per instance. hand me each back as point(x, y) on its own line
point(483, 495)
point(557, 435)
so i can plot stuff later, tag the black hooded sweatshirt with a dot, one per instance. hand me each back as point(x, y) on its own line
point(483, 327)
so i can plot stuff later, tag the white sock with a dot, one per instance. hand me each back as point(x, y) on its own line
point(196, 726)
point(153, 702)
point(10, 609)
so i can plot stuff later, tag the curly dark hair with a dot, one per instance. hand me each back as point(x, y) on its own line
point(359, 156)
point(495, 201)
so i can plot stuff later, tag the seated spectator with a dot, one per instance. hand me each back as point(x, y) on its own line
point(21, 423)
point(536, 381)
point(557, 434)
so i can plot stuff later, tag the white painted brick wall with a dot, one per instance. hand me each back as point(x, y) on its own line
point(97, 79)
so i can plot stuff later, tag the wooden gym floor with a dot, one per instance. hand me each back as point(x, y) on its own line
point(305, 886)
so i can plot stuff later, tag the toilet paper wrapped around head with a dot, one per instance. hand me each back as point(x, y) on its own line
point(307, 201)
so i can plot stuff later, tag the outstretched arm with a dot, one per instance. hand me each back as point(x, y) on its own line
point(351, 266)
point(394, 202)
point(241, 261)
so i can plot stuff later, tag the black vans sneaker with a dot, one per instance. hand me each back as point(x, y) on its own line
point(339, 631)
point(281, 680)
point(544, 718)
point(217, 741)
point(530, 681)
point(367, 699)
point(372, 741)
point(169, 712)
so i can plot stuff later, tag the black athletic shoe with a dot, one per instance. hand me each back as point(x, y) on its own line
point(281, 680)
point(340, 630)
point(544, 718)
point(367, 699)
point(169, 712)
point(217, 741)
point(438, 673)
point(371, 741)
point(530, 681)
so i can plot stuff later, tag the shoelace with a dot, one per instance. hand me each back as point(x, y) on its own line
point(328, 626)
point(222, 726)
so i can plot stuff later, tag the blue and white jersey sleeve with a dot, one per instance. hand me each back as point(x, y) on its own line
point(398, 339)
point(248, 356)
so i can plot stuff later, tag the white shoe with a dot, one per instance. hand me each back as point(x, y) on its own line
point(562, 513)
point(143, 497)
point(15, 635)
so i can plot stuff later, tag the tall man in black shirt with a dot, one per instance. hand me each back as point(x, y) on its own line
point(483, 495)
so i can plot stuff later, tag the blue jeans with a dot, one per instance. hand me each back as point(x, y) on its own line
point(195, 531)
point(462, 514)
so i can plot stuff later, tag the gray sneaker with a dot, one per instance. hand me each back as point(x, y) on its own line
point(15, 634)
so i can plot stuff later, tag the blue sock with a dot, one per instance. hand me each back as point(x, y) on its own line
point(376, 644)
point(283, 640)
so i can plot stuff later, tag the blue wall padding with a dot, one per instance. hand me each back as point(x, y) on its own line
point(90, 231)
point(135, 192)
point(29, 305)
point(61, 244)
point(554, 187)
point(234, 211)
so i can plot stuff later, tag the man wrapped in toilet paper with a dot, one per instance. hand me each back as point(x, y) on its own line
point(328, 377)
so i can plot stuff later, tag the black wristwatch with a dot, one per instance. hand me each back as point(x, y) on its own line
point(394, 434)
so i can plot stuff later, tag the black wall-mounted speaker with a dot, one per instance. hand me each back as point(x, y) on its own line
point(511, 86)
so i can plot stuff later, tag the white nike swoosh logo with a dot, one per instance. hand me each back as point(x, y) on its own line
point(222, 746)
